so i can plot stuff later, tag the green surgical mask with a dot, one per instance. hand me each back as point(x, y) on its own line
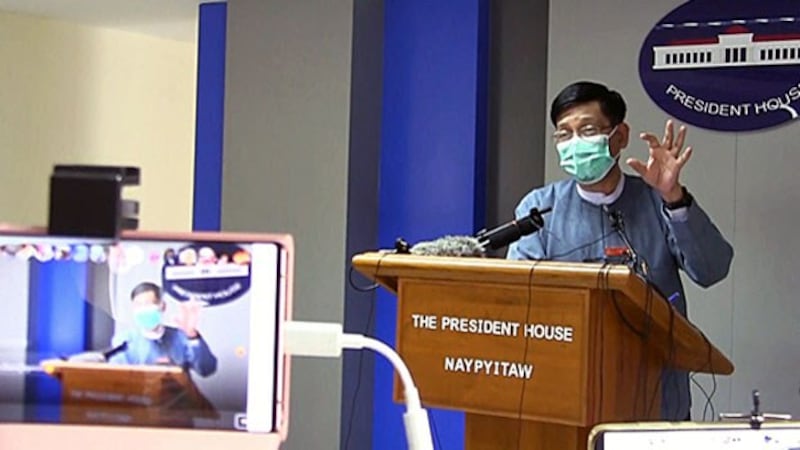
point(587, 159)
point(148, 318)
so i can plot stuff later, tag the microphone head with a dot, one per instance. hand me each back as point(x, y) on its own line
point(450, 246)
point(529, 225)
point(87, 357)
point(510, 232)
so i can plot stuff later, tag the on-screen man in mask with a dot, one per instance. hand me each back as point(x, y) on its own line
point(153, 342)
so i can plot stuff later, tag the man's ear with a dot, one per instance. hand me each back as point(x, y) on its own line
point(619, 140)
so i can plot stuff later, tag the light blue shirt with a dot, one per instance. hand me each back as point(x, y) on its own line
point(577, 230)
point(173, 347)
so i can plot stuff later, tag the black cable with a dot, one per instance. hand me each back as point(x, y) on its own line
point(644, 334)
point(602, 277)
point(643, 372)
point(649, 311)
point(525, 356)
point(644, 268)
point(358, 379)
point(368, 288)
point(671, 352)
point(706, 395)
point(640, 266)
point(624, 318)
point(709, 398)
point(710, 365)
point(670, 360)
point(671, 363)
point(580, 247)
point(367, 332)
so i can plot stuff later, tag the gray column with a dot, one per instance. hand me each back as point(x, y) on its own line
point(286, 168)
point(517, 104)
point(366, 100)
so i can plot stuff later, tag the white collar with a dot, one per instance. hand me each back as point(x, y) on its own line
point(155, 334)
point(600, 198)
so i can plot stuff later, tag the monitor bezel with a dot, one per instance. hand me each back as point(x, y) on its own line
point(90, 437)
point(599, 431)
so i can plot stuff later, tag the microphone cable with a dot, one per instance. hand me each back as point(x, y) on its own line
point(575, 249)
point(372, 289)
point(531, 272)
point(367, 288)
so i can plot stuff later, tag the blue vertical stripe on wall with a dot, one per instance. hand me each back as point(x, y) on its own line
point(209, 120)
point(482, 114)
point(57, 324)
point(432, 158)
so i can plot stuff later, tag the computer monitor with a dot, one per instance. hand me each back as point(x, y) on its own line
point(172, 337)
point(691, 435)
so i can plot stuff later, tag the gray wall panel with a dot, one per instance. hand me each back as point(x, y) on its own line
point(517, 104)
point(286, 168)
point(362, 214)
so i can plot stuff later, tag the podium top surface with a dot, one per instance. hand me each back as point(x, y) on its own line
point(55, 366)
point(689, 348)
point(386, 268)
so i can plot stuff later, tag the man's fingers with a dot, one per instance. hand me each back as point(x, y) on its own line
point(651, 139)
point(668, 130)
point(638, 166)
point(679, 141)
point(685, 157)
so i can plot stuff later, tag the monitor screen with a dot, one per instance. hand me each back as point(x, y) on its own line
point(707, 437)
point(179, 332)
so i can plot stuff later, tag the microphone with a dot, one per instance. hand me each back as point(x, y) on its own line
point(482, 242)
point(449, 246)
point(114, 350)
point(507, 233)
point(97, 357)
point(638, 264)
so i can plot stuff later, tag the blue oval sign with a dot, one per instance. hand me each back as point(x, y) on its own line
point(729, 66)
point(212, 273)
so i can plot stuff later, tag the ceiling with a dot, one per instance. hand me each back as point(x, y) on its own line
point(170, 19)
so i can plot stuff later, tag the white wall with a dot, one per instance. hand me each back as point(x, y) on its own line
point(13, 336)
point(14, 317)
point(747, 182)
point(78, 94)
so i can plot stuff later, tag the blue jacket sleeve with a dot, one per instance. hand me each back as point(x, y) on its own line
point(121, 357)
point(199, 356)
point(699, 247)
point(529, 247)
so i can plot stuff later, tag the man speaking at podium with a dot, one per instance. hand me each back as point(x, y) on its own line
point(598, 209)
point(152, 342)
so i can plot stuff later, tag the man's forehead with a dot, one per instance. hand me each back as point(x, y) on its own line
point(581, 117)
point(583, 112)
point(146, 296)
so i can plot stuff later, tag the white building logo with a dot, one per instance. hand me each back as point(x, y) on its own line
point(729, 50)
point(726, 74)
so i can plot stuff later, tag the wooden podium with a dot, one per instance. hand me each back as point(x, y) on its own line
point(159, 396)
point(536, 353)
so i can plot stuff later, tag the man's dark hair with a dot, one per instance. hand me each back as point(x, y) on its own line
point(147, 286)
point(611, 103)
